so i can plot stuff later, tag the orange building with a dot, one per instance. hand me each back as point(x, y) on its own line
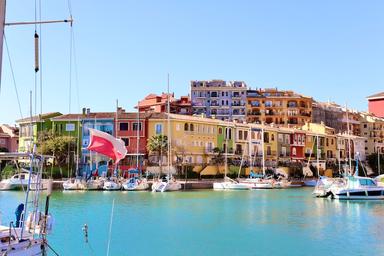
point(279, 107)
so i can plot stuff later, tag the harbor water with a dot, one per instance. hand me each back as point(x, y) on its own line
point(206, 222)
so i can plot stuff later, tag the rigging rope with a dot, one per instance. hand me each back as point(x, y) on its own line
point(13, 75)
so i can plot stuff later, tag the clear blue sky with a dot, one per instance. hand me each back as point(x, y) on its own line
point(124, 49)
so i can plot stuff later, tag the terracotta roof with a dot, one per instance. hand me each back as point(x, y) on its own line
point(379, 95)
point(67, 117)
point(38, 118)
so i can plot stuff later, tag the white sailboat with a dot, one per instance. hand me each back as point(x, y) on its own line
point(228, 183)
point(28, 235)
point(137, 183)
point(169, 183)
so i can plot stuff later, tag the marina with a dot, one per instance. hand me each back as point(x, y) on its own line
point(206, 222)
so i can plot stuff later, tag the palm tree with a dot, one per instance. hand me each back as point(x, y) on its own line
point(158, 145)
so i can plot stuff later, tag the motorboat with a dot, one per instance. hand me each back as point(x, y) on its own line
point(136, 184)
point(230, 184)
point(17, 181)
point(112, 185)
point(357, 188)
point(74, 184)
point(166, 184)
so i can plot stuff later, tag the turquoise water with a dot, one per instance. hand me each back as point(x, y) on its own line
point(262, 222)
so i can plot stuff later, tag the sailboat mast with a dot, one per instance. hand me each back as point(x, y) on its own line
point(250, 149)
point(168, 129)
point(378, 159)
point(262, 148)
point(139, 127)
point(349, 141)
point(317, 155)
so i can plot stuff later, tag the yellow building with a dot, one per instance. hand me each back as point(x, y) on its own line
point(192, 138)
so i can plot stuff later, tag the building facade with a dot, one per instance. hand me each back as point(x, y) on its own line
point(132, 129)
point(31, 127)
point(376, 104)
point(9, 138)
point(285, 108)
point(158, 104)
point(219, 99)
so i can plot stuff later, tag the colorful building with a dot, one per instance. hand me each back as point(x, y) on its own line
point(219, 99)
point(372, 129)
point(9, 138)
point(376, 104)
point(193, 139)
point(30, 128)
point(102, 121)
point(298, 144)
point(283, 144)
point(132, 129)
point(158, 104)
point(278, 107)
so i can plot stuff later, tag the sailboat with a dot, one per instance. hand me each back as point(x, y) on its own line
point(307, 170)
point(257, 181)
point(136, 183)
point(28, 234)
point(228, 183)
point(169, 183)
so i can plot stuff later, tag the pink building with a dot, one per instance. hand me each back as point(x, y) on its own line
point(9, 138)
point(376, 104)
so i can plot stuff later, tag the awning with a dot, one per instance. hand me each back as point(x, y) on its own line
point(210, 170)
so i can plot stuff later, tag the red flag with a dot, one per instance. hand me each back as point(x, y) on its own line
point(106, 144)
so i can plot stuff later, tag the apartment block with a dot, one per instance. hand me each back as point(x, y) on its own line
point(285, 108)
point(219, 99)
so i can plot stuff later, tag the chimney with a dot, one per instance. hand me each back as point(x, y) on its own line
point(88, 111)
point(84, 109)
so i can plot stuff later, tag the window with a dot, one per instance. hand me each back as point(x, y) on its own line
point(186, 127)
point(159, 128)
point(245, 135)
point(294, 151)
point(220, 130)
point(280, 137)
point(272, 137)
point(269, 151)
point(240, 135)
point(123, 126)
point(126, 141)
point(191, 127)
point(136, 126)
point(266, 137)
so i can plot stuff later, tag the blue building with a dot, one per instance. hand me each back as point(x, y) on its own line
point(102, 121)
point(219, 99)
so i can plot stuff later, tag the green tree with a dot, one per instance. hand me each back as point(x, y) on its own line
point(60, 147)
point(158, 145)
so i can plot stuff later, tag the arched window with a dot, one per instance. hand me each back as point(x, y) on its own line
point(191, 127)
point(220, 130)
point(272, 137)
point(186, 127)
point(294, 151)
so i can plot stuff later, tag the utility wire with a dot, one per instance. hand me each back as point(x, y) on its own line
point(13, 75)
